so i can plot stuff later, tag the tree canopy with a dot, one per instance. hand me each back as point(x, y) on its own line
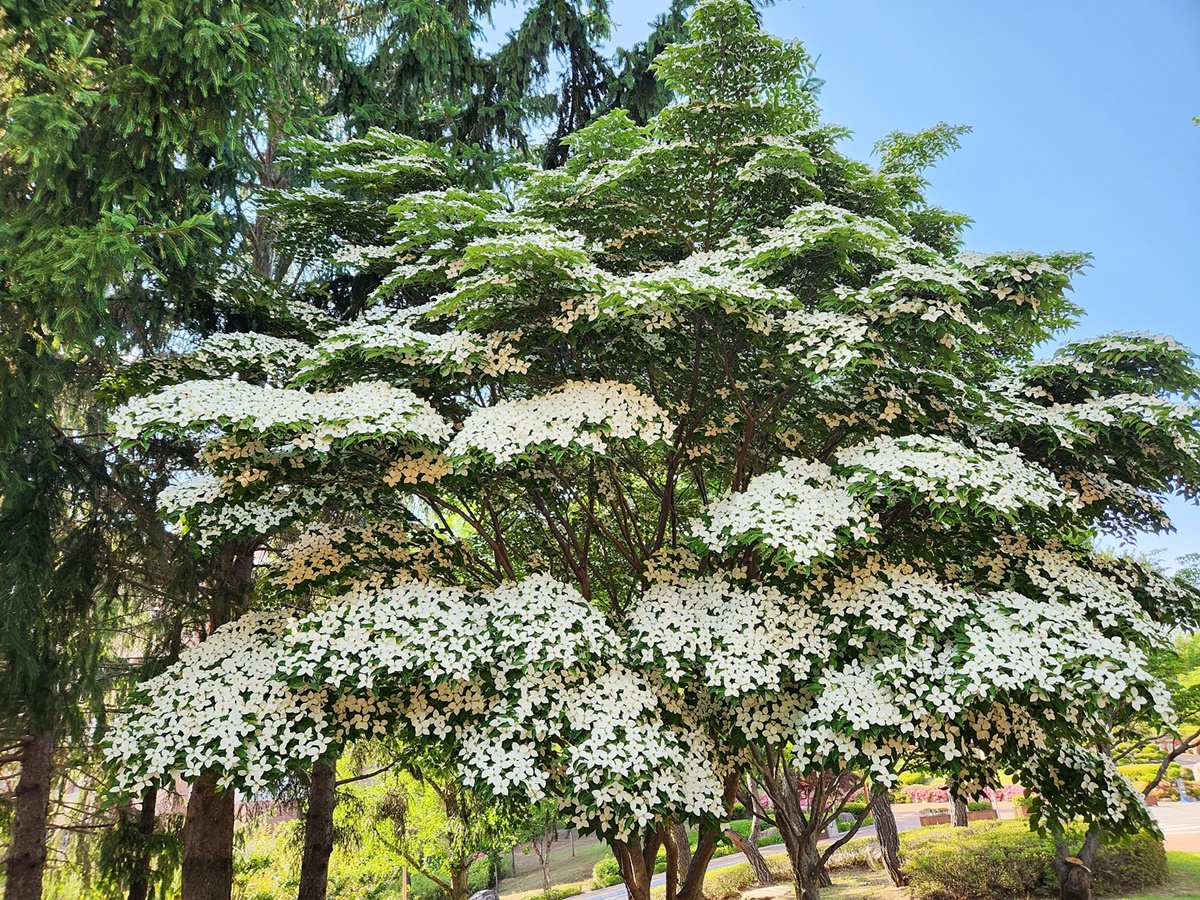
point(710, 448)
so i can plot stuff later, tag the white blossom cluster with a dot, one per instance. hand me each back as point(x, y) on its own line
point(741, 640)
point(580, 414)
point(802, 509)
point(394, 338)
point(316, 419)
point(325, 552)
point(940, 471)
point(825, 340)
point(227, 706)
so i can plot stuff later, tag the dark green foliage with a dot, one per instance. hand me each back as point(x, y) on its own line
point(1006, 859)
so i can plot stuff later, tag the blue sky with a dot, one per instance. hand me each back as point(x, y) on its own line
point(1083, 136)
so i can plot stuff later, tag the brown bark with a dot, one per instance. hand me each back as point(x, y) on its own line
point(758, 865)
point(139, 884)
point(635, 861)
point(26, 860)
point(208, 842)
point(318, 832)
point(958, 813)
point(1075, 872)
point(672, 880)
point(887, 834)
point(683, 846)
point(460, 887)
point(207, 872)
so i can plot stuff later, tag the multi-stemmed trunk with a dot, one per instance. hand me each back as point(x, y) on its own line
point(139, 884)
point(804, 807)
point(27, 853)
point(318, 831)
point(887, 834)
point(1075, 872)
point(637, 854)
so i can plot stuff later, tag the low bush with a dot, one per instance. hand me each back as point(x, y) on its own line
point(995, 860)
point(560, 893)
point(606, 872)
point(1146, 772)
point(852, 854)
point(917, 776)
point(846, 826)
point(924, 793)
point(978, 805)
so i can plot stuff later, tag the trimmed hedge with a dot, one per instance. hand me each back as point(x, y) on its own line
point(997, 860)
point(561, 893)
point(1146, 772)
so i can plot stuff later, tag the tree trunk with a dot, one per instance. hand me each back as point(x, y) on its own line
point(635, 861)
point(958, 813)
point(672, 875)
point(208, 826)
point(460, 881)
point(683, 847)
point(27, 854)
point(1075, 872)
point(208, 842)
point(318, 831)
point(762, 872)
point(139, 884)
point(887, 834)
point(809, 873)
point(544, 864)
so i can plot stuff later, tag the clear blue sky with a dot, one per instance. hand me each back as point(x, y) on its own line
point(1083, 136)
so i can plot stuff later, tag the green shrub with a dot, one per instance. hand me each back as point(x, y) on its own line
point(606, 872)
point(851, 855)
point(994, 860)
point(738, 813)
point(917, 776)
point(1021, 800)
point(729, 882)
point(1146, 772)
point(558, 893)
point(979, 805)
point(846, 826)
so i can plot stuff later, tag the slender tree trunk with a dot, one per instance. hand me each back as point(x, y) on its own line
point(139, 884)
point(1075, 872)
point(208, 842)
point(887, 834)
point(27, 853)
point(544, 863)
point(762, 872)
point(672, 881)
point(318, 831)
point(683, 846)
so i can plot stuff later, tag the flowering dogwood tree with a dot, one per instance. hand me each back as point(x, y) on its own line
point(709, 453)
